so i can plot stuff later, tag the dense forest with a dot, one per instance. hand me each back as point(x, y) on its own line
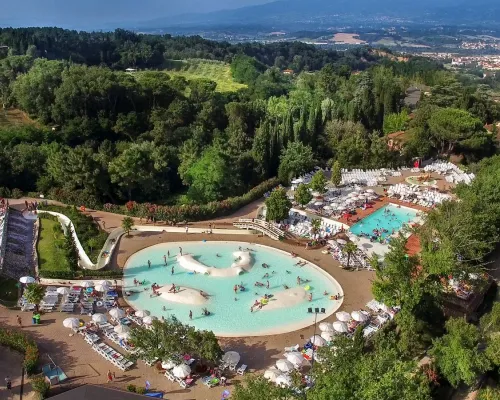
point(105, 135)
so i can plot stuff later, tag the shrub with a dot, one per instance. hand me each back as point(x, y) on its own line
point(57, 274)
point(141, 390)
point(4, 192)
point(41, 386)
point(20, 342)
point(131, 388)
point(16, 193)
point(102, 273)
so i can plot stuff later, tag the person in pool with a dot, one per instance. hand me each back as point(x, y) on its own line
point(265, 276)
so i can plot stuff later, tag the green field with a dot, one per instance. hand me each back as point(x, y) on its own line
point(216, 71)
point(13, 117)
point(50, 253)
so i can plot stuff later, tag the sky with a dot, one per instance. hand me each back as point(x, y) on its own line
point(83, 14)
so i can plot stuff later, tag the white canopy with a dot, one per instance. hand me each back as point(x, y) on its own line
point(101, 288)
point(318, 203)
point(272, 374)
point(99, 318)
point(168, 364)
point(284, 380)
point(71, 323)
point(370, 191)
point(328, 336)
point(142, 313)
point(359, 316)
point(181, 371)
point(121, 329)
point(87, 284)
point(327, 207)
point(231, 357)
point(62, 290)
point(124, 335)
point(149, 319)
point(117, 313)
point(284, 365)
point(26, 279)
point(325, 327)
point(341, 241)
point(343, 316)
point(340, 326)
point(106, 283)
point(317, 340)
point(295, 358)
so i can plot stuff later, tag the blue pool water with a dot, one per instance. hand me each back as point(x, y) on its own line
point(389, 217)
point(230, 317)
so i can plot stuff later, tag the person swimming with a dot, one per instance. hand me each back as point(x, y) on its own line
point(218, 255)
point(265, 276)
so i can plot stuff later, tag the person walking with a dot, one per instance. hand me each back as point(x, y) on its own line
point(8, 382)
point(109, 376)
point(19, 321)
point(180, 250)
point(190, 314)
point(187, 229)
point(172, 269)
point(149, 264)
point(165, 259)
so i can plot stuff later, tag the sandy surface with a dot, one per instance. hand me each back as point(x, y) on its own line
point(243, 263)
point(185, 295)
point(285, 298)
point(347, 38)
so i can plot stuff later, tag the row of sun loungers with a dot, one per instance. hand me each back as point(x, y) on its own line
point(112, 356)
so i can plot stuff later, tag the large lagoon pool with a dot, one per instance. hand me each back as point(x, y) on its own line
point(230, 314)
point(390, 219)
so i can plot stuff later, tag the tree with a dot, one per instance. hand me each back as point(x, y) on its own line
point(92, 242)
point(295, 160)
point(489, 393)
point(70, 249)
point(34, 294)
point(349, 249)
point(318, 182)
point(396, 122)
point(127, 225)
point(302, 195)
point(490, 330)
point(315, 225)
point(206, 345)
point(277, 205)
point(257, 387)
point(456, 354)
point(336, 174)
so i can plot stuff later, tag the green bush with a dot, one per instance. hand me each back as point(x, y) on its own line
point(88, 274)
point(20, 342)
point(41, 386)
point(131, 388)
point(81, 274)
point(16, 193)
point(4, 192)
point(141, 390)
point(57, 274)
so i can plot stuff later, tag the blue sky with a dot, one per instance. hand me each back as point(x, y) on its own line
point(96, 13)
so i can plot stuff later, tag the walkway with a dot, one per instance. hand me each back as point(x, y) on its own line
point(262, 226)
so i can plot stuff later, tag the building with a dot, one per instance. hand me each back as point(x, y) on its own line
point(288, 71)
point(95, 392)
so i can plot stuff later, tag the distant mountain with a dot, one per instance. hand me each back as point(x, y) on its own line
point(326, 12)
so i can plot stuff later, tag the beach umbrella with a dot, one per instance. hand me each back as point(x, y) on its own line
point(327, 207)
point(101, 288)
point(295, 358)
point(87, 284)
point(142, 313)
point(71, 323)
point(317, 340)
point(117, 313)
point(325, 327)
point(284, 365)
point(341, 241)
point(124, 335)
point(283, 380)
point(105, 283)
point(272, 374)
point(359, 316)
point(99, 318)
point(167, 364)
point(316, 194)
point(340, 327)
point(121, 329)
point(231, 357)
point(328, 336)
point(27, 279)
point(318, 203)
point(149, 319)
point(62, 290)
point(343, 316)
point(370, 191)
point(181, 371)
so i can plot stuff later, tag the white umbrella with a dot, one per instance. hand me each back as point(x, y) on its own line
point(231, 357)
point(370, 191)
point(284, 380)
point(106, 283)
point(284, 365)
point(328, 336)
point(295, 358)
point(327, 207)
point(343, 316)
point(121, 329)
point(99, 318)
point(316, 194)
point(124, 335)
point(352, 194)
point(87, 284)
point(340, 326)
point(181, 371)
point(325, 327)
point(27, 279)
point(359, 316)
point(117, 313)
point(341, 241)
point(149, 319)
point(142, 313)
point(71, 323)
point(272, 374)
point(101, 288)
point(62, 290)
point(318, 203)
point(168, 364)
point(317, 340)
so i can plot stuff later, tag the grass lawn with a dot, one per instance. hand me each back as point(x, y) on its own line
point(8, 290)
point(50, 256)
point(14, 117)
point(216, 71)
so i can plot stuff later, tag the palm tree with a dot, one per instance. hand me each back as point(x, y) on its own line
point(315, 225)
point(349, 249)
point(34, 294)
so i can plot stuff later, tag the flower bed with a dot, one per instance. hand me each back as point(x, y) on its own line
point(81, 274)
point(22, 343)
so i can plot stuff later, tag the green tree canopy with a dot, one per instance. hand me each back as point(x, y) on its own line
point(302, 194)
point(336, 174)
point(295, 160)
point(277, 205)
point(34, 294)
point(318, 182)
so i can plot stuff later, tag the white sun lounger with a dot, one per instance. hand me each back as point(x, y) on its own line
point(241, 370)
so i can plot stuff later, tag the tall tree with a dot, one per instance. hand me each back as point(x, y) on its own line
point(302, 195)
point(295, 160)
point(34, 294)
point(277, 205)
point(318, 182)
point(336, 173)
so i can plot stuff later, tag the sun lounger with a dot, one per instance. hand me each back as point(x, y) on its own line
point(169, 376)
point(292, 348)
point(241, 370)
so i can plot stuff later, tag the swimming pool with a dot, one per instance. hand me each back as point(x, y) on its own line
point(390, 219)
point(230, 313)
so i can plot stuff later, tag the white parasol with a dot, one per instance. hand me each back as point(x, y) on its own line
point(325, 327)
point(168, 364)
point(340, 327)
point(27, 279)
point(99, 318)
point(328, 336)
point(121, 329)
point(272, 374)
point(318, 203)
point(370, 191)
point(87, 284)
point(359, 316)
point(327, 207)
point(343, 316)
point(117, 313)
point(62, 290)
point(341, 241)
point(124, 335)
point(231, 357)
point(181, 371)
point(317, 340)
point(295, 358)
point(106, 283)
point(284, 365)
point(71, 323)
point(142, 313)
point(284, 380)
point(149, 319)
point(101, 288)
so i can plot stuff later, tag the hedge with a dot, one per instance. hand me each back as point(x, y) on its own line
point(81, 274)
point(22, 343)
